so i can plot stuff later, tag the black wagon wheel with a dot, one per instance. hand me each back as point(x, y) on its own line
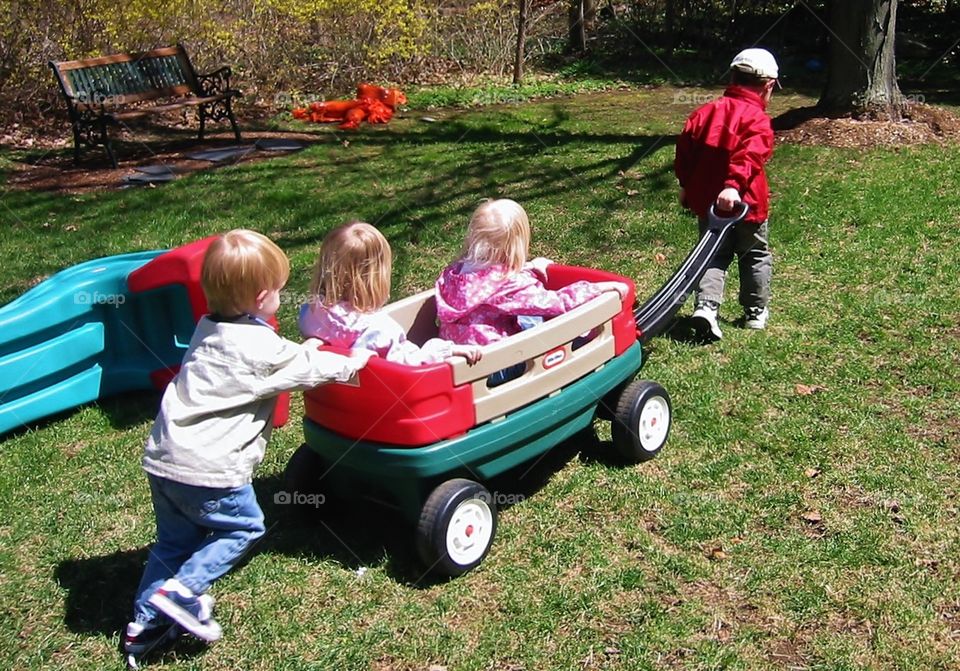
point(302, 472)
point(456, 528)
point(301, 481)
point(642, 422)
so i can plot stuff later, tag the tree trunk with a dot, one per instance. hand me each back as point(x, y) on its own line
point(862, 77)
point(521, 41)
point(583, 15)
point(670, 27)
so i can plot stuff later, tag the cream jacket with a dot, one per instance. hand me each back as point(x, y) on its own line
point(216, 415)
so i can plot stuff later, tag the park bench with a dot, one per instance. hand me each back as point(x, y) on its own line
point(112, 90)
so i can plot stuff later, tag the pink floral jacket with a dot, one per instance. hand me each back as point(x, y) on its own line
point(480, 305)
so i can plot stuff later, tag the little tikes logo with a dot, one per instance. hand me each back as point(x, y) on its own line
point(554, 358)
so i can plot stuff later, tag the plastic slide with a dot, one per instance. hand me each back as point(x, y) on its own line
point(654, 316)
point(100, 328)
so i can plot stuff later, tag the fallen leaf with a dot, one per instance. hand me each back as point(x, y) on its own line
point(659, 258)
point(717, 554)
point(812, 472)
point(808, 389)
point(723, 630)
point(812, 516)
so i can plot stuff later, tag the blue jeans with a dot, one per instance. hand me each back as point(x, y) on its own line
point(513, 372)
point(202, 532)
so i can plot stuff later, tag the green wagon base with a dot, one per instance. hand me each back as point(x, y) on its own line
point(412, 478)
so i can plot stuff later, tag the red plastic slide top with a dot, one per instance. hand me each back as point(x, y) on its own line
point(182, 265)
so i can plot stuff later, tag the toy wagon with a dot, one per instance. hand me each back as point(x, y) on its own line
point(425, 438)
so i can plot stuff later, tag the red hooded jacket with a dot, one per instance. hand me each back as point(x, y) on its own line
point(726, 143)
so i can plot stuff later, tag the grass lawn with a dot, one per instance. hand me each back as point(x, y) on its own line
point(803, 514)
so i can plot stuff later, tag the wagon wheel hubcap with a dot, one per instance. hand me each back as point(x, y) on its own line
point(469, 531)
point(654, 423)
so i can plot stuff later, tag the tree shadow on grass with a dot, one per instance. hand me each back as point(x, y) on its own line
point(100, 594)
point(354, 534)
point(683, 330)
point(131, 408)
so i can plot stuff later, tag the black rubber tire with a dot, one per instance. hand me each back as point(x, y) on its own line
point(440, 511)
point(632, 430)
point(302, 473)
point(607, 405)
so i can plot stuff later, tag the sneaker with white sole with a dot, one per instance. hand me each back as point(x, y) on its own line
point(192, 612)
point(704, 320)
point(140, 640)
point(755, 318)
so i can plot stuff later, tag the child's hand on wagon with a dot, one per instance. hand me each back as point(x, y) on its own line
point(540, 264)
point(621, 288)
point(471, 353)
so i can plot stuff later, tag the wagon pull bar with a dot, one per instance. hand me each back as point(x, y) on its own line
point(654, 316)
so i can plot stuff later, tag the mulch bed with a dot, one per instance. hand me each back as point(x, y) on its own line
point(49, 166)
point(923, 124)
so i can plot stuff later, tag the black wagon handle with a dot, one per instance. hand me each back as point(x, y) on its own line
point(716, 221)
point(656, 315)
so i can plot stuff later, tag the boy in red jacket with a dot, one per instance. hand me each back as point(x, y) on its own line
point(720, 160)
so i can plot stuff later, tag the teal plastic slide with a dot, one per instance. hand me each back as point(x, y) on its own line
point(96, 329)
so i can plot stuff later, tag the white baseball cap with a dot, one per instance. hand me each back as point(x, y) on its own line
point(759, 62)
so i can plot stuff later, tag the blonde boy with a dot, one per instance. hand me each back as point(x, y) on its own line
point(211, 432)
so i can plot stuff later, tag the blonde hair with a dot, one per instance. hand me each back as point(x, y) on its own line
point(498, 234)
point(239, 265)
point(353, 266)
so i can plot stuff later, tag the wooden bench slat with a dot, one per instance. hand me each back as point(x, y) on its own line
point(159, 109)
point(119, 58)
point(102, 89)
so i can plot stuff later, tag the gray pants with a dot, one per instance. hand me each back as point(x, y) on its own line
point(749, 243)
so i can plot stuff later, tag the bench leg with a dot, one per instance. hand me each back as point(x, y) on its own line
point(105, 140)
point(76, 145)
point(110, 153)
point(217, 111)
point(233, 121)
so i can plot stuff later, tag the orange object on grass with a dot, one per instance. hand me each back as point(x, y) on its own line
point(373, 104)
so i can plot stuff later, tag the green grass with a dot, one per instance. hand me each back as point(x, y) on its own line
point(708, 557)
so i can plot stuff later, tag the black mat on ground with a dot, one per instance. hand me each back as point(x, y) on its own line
point(222, 154)
point(141, 178)
point(155, 169)
point(279, 144)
